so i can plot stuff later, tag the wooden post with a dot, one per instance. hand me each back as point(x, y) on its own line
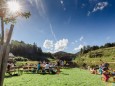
point(5, 55)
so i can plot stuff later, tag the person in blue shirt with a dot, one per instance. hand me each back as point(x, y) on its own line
point(100, 69)
point(38, 67)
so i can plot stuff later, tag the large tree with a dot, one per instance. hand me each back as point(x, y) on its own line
point(9, 11)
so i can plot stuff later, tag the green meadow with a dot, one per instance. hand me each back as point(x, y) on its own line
point(67, 77)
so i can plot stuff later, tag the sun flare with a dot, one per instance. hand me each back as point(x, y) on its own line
point(13, 6)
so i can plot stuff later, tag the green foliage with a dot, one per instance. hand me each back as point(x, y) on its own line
point(68, 77)
point(25, 14)
point(104, 52)
point(95, 54)
point(64, 56)
point(95, 61)
point(20, 59)
point(32, 52)
point(8, 20)
point(13, 18)
point(87, 49)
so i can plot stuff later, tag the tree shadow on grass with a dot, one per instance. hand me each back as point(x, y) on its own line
point(66, 68)
point(13, 75)
point(65, 73)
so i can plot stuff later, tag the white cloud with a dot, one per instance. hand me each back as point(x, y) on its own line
point(78, 48)
point(55, 47)
point(81, 38)
point(100, 6)
point(61, 45)
point(61, 2)
point(48, 44)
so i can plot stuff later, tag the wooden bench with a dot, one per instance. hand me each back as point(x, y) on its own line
point(14, 70)
point(29, 68)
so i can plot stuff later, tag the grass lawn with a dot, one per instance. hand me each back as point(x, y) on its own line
point(68, 77)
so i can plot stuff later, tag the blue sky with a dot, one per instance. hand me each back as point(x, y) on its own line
point(67, 25)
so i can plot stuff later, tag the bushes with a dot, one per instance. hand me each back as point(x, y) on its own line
point(20, 59)
point(95, 54)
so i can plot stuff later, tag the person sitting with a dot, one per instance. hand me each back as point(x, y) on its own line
point(100, 69)
point(93, 70)
point(113, 75)
point(9, 68)
point(43, 70)
point(62, 63)
point(105, 75)
point(34, 70)
point(52, 69)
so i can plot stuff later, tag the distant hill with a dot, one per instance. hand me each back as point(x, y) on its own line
point(97, 57)
point(103, 52)
point(64, 55)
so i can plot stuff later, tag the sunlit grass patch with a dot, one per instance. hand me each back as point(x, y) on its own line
point(68, 77)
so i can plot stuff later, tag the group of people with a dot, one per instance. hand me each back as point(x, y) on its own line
point(41, 67)
point(47, 67)
point(105, 71)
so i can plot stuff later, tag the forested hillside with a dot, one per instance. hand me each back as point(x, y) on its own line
point(30, 51)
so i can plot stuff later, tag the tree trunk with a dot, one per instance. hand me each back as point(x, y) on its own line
point(4, 63)
point(5, 56)
point(2, 30)
point(1, 51)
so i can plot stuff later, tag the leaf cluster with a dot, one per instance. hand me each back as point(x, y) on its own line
point(12, 19)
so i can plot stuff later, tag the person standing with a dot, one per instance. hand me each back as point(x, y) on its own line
point(38, 67)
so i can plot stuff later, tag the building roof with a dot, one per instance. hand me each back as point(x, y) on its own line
point(11, 55)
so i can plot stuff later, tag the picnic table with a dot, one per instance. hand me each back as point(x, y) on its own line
point(29, 68)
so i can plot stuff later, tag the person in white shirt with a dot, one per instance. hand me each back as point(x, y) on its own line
point(47, 67)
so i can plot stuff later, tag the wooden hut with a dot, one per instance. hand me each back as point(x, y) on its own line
point(11, 57)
